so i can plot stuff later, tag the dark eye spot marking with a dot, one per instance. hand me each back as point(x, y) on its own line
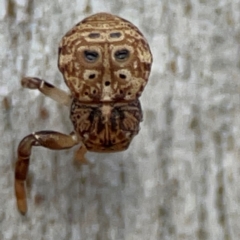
point(123, 76)
point(115, 35)
point(90, 55)
point(107, 83)
point(122, 54)
point(91, 76)
point(94, 35)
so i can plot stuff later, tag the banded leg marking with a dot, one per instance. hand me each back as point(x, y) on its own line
point(47, 139)
point(47, 89)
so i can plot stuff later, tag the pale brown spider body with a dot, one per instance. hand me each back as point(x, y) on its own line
point(106, 62)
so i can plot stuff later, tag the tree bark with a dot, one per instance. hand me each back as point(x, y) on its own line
point(179, 179)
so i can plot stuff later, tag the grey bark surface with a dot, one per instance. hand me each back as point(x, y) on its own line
point(180, 177)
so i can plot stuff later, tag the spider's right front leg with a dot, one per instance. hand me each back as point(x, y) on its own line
point(47, 89)
point(47, 139)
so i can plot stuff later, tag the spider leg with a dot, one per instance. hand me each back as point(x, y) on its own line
point(47, 139)
point(80, 155)
point(47, 89)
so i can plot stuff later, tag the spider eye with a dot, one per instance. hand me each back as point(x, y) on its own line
point(122, 54)
point(91, 56)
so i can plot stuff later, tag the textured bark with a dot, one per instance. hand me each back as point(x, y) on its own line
point(179, 179)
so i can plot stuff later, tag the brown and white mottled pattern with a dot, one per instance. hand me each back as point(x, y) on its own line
point(121, 68)
point(106, 62)
point(106, 127)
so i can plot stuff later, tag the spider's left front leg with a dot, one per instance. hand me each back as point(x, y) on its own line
point(48, 139)
point(47, 89)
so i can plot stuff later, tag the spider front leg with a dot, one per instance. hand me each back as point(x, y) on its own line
point(48, 139)
point(47, 89)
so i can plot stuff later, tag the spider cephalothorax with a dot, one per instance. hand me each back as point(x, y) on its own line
point(106, 62)
point(106, 127)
